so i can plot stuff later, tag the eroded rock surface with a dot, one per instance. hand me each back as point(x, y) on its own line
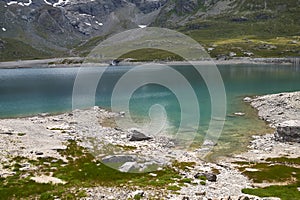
point(282, 111)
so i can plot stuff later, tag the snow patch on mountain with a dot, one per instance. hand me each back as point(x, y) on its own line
point(61, 3)
point(99, 23)
point(12, 3)
point(142, 26)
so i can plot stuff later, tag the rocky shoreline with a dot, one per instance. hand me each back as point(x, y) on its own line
point(278, 110)
point(41, 136)
point(77, 62)
point(281, 111)
point(44, 135)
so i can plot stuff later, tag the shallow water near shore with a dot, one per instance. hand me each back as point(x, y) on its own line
point(25, 92)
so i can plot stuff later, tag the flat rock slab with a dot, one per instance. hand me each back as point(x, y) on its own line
point(278, 108)
point(48, 179)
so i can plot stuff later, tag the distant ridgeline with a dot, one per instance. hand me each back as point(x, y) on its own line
point(32, 29)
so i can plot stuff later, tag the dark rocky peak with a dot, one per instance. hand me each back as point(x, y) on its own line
point(147, 6)
point(186, 6)
point(95, 8)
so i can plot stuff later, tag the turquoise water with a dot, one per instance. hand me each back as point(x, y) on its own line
point(25, 92)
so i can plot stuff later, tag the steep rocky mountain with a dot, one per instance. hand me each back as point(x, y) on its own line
point(65, 27)
point(55, 26)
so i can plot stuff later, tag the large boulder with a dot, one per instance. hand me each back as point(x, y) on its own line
point(209, 176)
point(138, 136)
point(288, 131)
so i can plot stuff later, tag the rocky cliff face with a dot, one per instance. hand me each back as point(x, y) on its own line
point(58, 24)
point(88, 17)
point(61, 23)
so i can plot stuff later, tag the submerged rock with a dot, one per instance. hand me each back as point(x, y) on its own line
point(239, 114)
point(118, 159)
point(247, 99)
point(128, 166)
point(288, 131)
point(209, 143)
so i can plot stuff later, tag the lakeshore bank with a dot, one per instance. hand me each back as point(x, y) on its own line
point(45, 136)
point(77, 62)
point(275, 110)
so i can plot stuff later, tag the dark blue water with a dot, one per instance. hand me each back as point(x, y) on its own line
point(25, 92)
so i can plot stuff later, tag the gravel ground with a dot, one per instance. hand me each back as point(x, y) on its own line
point(43, 135)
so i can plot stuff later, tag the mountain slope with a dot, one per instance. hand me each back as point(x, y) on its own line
point(55, 27)
point(72, 27)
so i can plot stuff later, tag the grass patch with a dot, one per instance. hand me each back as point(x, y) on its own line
point(137, 197)
point(272, 173)
point(186, 180)
point(248, 36)
point(17, 50)
point(275, 171)
point(183, 165)
point(126, 148)
point(145, 55)
point(173, 188)
point(86, 47)
point(289, 192)
point(81, 171)
point(203, 178)
point(285, 160)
